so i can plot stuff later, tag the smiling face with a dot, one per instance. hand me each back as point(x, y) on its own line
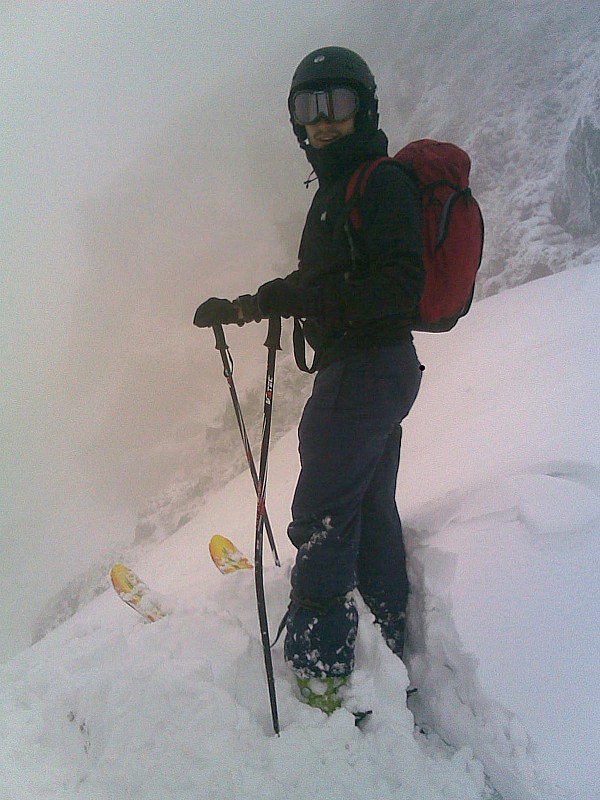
point(324, 131)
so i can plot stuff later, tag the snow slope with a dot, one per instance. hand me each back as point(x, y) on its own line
point(499, 492)
point(507, 511)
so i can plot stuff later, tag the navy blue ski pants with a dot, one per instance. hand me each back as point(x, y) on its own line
point(345, 522)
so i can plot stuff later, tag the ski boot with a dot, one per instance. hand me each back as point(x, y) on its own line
point(322, 693)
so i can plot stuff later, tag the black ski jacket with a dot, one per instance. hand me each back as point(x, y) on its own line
point(357, 302)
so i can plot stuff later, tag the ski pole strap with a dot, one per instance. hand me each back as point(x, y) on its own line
point(299, 342)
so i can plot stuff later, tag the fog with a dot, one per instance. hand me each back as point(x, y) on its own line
point(147, 164)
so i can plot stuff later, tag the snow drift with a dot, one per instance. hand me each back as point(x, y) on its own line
point(499, 491)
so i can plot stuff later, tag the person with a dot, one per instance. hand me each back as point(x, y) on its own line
point(356, 290)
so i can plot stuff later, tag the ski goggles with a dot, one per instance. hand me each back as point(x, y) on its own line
point(337, 104)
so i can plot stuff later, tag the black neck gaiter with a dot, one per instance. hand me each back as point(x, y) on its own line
point(345, 154)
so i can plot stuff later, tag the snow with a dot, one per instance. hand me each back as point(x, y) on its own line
point(506, 553)
point(499, 491)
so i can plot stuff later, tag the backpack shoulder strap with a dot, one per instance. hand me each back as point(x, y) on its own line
point(358, 183)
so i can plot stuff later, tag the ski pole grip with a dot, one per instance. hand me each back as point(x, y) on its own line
point(273, 340)
point(220, 343)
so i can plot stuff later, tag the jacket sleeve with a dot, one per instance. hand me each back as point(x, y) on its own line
point(389, 277)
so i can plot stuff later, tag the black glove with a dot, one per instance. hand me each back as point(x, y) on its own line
point(215, 311)
point(278, 298)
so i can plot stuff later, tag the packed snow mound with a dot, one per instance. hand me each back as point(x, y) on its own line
point(504, 627)
point(110, 707)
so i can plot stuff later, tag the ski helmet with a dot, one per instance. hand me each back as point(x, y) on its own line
point(331, 65)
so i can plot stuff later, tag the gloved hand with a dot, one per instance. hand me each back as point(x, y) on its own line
point(247, 305)
point(279, 298)
point(216, 311)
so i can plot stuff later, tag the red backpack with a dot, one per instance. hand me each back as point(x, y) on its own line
point(452, 228)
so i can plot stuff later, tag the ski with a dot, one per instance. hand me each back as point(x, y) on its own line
point(135, 593)
point(227, 558)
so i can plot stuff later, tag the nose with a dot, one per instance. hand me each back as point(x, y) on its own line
point(322, 119)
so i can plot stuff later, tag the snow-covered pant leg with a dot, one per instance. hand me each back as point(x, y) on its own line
point(349, 440)
point(381, 563)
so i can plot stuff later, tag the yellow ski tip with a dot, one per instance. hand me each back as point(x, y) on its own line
point(226, 556)
point(135, 593)
point(123, 579)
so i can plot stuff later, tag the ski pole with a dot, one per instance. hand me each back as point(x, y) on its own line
point(273, 344)
point(221, 346)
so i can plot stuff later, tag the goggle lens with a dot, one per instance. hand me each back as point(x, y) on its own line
point(337, 104)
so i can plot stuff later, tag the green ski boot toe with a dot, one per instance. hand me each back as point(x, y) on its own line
point(322, 693)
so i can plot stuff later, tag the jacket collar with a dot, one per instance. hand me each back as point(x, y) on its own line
point(344, 155)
